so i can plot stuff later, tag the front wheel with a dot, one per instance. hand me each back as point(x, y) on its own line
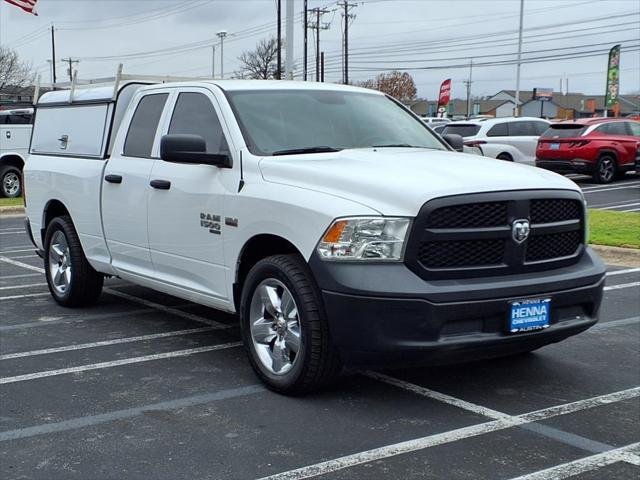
point(71, 279)
point(605, 170)
point(10, 182)
point(284, 328)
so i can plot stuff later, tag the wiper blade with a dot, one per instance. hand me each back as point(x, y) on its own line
point(400, 145)
point(294, 151)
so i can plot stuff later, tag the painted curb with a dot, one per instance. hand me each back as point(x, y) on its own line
point(628, 257)
point(11, 211)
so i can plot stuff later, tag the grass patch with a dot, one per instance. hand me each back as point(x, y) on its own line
point(11, 202)
point(615, 229)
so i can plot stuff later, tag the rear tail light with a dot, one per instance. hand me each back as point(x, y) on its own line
point(578, 143)
point(475, 143)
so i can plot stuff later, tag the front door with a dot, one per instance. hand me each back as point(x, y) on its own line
point(125, 190)
point(186, 212)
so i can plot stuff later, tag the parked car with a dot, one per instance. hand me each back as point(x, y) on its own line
point(354, 236)
point(600, 147)
point(15, 134)
point(435, 121)
point(508, 138)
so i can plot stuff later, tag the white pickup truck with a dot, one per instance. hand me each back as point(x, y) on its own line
point(331, 219)
point(15, 134)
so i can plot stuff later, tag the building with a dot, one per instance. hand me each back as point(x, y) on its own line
point(568, 106)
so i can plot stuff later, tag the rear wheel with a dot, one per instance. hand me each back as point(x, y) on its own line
point(605, 170)
point(505, 156)
point(284, 328)
point(72, 280)
point(10, 182)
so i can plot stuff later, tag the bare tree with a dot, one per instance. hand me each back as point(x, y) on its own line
point(13, 72)
point(399, 85)
point(261, 63)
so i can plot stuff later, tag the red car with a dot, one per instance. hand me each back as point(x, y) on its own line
point(601, 147)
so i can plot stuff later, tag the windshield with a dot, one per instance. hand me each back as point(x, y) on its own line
point(561, 130)
point(468, 130)
point(294, 121)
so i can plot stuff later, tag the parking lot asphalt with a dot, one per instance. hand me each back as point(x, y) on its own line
point(622, 195)
point(145, 385)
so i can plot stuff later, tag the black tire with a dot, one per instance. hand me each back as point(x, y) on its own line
point(317, 362)
point(85, 283)
point(606, 169)
point(10, 181)
point(505, 156)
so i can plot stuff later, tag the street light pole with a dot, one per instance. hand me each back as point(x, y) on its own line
point(213, 61)
point(517, 109)
point(221, 34)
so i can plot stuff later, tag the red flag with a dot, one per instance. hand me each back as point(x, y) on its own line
point(28, 6)
point(445, 93)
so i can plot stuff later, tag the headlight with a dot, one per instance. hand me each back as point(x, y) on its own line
point(365, 238)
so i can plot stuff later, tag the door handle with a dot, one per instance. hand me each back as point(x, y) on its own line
point(160, 184)
point(113, 178)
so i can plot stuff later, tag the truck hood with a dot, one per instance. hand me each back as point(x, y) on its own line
point(398, 181)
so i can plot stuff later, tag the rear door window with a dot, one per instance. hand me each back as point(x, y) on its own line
point(462, 130)
point(615, 128)
point(540, 127)
point(522, 129)
point(564, 131)
point(194, 114)
point(498, 130)
point(144, 125)
point(634, 128)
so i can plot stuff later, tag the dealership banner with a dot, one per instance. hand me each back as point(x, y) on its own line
point(444, 97)
point(613, 77)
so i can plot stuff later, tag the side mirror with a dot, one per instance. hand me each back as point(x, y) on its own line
point(183, 148)
point(454, 140)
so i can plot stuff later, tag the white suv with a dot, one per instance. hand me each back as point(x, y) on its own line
point(511, 139)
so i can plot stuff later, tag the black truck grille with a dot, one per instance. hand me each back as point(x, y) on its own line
point(473, 235)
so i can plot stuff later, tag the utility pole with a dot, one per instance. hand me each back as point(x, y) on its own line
point(468, 84)
point(289, 39)
point(306, 31)
point(53, 55)
point(279, 63)
point(517, 109)
point(322, 67)
point(347, 16)
point(221, 34)
point(71, 62)
point(317, 27)
point(213, 61)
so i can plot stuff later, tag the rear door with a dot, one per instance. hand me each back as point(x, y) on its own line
point(125, 188)
point(524, 134)
point(15, 133)
point(186, 217)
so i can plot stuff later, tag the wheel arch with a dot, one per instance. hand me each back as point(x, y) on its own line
point(608, 151)
point(54, 208)
point(255, 249)
point(12, 159)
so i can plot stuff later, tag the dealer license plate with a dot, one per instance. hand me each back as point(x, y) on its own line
point(530, 314)
point(555, 146)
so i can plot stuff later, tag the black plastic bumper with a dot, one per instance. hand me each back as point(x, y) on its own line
point(385, 315)
point(566, 166)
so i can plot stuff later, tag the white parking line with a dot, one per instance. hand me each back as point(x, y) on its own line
point(587, 464)
point(117, 363)
point(623, 272)
point(21, 264)
point(614, 186)
point(24, 275)
point(19, 248)
point(13, 287)
point(29, 295)
point(126, 296)
point(12, 233)
point(620, 206)
point(441, 397)
point(449, 437)
point(622, 285)
point(104, 343)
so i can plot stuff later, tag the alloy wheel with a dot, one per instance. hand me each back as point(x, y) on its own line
point(59, 263)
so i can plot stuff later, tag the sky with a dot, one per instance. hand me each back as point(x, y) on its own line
point(430, 39)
